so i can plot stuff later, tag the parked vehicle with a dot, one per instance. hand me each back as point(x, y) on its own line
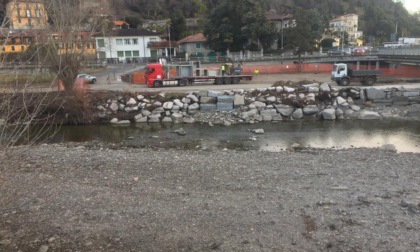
point(339, 52)
point(343, 75)
point(188, 74)
point(358, 51)
point(90, 78)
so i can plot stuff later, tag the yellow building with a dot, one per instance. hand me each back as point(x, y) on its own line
point(29, 14)
point(16, 42)
point(27, 21)
point(74, 43)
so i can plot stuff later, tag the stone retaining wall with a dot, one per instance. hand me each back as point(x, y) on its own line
point(316, 100)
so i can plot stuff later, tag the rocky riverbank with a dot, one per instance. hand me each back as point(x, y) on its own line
point(94, 198)
point(100, 197)
point(280, 102)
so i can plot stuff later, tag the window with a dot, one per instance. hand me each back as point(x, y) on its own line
point(127, 41)
point(101, 42)
point(152, 39)
point(12, 48)
point(88, 45)
point(119, 41)
point(37, 13)
point(69, 45)
point(128, 54)
point(3, 49)
point(197, 45)
point(120, 54)
point(22, 48)
point(136, 54)
point(135, 41)
point(28, 13)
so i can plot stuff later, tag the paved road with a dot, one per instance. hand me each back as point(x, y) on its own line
point(261, 81)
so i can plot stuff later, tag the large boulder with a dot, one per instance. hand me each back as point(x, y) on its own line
point(310, 110)
point(329, 114)
point(259, 105)
point(374, 94)
point(297, 114)
point(284, 110)
point(368, 115)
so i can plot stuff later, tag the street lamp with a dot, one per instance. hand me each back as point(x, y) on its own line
point(282, 20)
point(169, 36)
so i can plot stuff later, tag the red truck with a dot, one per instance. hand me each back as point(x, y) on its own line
point(188, 74)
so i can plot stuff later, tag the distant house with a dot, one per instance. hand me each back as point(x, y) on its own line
point(281, 22)
point(164, 48)
point(74, 43)
point(126, 45)
point(26, 15)
point(119, 24)
point(348, 23)
point(17, 41)
point(193, 46)
point(163, 23)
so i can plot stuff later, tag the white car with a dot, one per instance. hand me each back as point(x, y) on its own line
point(89, 78)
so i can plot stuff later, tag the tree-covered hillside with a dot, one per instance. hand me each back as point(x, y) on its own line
point(377, 18)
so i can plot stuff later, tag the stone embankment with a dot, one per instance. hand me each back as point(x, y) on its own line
point(316, 101)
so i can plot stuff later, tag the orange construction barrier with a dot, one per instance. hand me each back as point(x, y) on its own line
point(80, 84)
point(60, 85)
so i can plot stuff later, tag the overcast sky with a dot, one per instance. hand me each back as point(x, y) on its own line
point(411, 5)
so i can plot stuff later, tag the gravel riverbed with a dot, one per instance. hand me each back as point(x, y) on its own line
point(75, 197)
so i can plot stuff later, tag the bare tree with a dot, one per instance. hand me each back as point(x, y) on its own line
point(63, 53)
point(30, 106)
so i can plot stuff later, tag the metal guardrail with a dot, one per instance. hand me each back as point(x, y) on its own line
point(411, 53)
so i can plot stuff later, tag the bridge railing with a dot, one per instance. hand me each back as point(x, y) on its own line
point(408, 51)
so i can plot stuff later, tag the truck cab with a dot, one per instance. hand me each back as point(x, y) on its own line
point(339, 71)
point(154, 75)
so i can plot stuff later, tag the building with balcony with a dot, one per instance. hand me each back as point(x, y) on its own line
point(348, 23)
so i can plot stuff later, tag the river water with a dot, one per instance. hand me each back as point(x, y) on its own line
point(405, 136)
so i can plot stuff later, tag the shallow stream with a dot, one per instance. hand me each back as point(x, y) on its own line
point(405, 136)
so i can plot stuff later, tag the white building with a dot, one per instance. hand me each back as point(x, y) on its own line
point(348, 23)
point(126, 45)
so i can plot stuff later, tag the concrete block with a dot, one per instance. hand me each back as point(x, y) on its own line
point(238, 101)
point(225, 98)
point(208, 107)
point(224, 106)
point(208, 100)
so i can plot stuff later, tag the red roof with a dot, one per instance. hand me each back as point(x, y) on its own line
point(199, 37)
point(120, 22)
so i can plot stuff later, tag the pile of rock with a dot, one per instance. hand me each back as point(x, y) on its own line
point(319, 101)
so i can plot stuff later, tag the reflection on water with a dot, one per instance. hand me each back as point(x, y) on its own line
point(405, 136)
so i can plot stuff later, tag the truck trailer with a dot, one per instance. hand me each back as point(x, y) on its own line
point(190, 73)
point(342, 74)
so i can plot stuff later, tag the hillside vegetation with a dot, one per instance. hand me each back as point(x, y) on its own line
point(377, 18)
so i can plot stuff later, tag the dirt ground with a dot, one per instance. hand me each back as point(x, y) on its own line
point(104, 198)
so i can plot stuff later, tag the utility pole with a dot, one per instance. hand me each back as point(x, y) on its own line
point(282, 24)
point(169, 36)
